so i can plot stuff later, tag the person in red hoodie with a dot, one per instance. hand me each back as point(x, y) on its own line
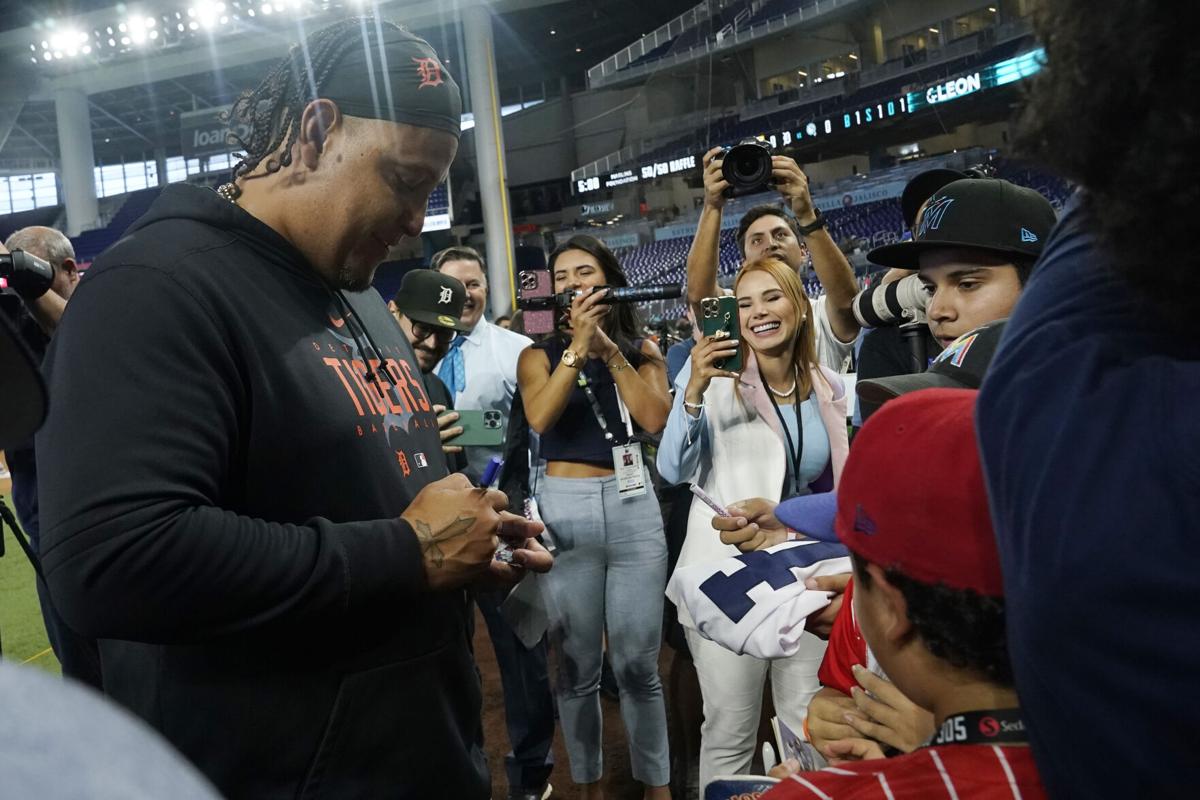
point(929, 599)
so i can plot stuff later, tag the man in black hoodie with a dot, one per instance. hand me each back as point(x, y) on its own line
point(244, 488)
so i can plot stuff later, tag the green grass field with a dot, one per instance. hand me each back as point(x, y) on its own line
point(22, 634)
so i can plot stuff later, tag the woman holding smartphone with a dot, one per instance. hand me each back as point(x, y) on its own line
point(588, 390)
point(777, 430)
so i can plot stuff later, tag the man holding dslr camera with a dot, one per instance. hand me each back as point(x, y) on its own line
point(974, 241)
point(768, 230)
point(35, 312)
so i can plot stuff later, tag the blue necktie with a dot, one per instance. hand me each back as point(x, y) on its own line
point(452, 371)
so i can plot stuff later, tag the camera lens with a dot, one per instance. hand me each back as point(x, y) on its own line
point(747, 166)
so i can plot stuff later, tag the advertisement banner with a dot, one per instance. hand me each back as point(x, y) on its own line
point(202, 133)
point(856, 197)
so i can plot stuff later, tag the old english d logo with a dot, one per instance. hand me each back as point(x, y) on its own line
point(430, 72)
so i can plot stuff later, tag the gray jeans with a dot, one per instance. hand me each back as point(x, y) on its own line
point(609, 574)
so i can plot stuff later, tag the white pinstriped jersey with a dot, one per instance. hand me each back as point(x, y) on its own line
point(755, 603)
point(954, 772)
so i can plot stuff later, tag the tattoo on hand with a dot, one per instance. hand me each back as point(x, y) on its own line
point(431, 543)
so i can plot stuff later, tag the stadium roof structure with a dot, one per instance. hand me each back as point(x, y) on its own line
point(145, 63)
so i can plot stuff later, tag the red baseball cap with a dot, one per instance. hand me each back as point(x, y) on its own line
point(912, 495)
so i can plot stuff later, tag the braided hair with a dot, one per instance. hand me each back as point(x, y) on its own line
point(272, 110)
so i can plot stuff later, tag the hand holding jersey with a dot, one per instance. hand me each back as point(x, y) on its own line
point(757, 603)
point(752, 525)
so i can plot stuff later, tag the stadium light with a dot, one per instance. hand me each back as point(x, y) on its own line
point(207, 13)
point(136, 27)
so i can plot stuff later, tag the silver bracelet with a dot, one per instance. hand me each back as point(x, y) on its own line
point(693, 406)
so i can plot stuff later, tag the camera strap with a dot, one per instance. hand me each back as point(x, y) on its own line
point(794, 454)
point(628, 467)
point(594, 402)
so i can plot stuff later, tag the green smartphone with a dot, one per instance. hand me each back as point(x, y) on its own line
point(481, 428)
point(719, 318)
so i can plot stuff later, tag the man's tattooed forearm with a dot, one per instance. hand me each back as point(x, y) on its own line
point(431, 541)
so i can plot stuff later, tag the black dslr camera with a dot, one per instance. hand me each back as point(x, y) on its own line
point(747, 167)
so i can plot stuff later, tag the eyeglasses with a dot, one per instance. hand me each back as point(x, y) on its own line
point(423, 330)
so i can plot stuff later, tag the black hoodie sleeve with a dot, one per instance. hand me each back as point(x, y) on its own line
point(138, 447)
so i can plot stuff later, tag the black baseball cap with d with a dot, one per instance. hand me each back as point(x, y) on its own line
point(432, 297)
point(988, 214)
point(962, 365)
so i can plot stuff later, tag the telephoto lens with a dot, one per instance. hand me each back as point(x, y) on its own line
point(895, 303)
point(27, 275)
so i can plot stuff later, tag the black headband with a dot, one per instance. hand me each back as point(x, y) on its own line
point(395, 76)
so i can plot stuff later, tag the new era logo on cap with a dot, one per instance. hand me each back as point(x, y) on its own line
point(863, 522)
point(1028, 235)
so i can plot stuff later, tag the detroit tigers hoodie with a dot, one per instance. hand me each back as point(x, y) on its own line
point(221, 480)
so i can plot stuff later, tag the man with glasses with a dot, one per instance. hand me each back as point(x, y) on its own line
point(480, 371)
point(429, 308)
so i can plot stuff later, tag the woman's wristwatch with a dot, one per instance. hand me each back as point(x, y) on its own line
point(572, 359)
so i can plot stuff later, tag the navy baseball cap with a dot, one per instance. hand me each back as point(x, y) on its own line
point(811, 515)
point(987, 214)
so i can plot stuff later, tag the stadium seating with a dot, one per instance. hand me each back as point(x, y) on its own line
point(730, 129)
point(90, 244)
point(864, 226)
point(23, 219)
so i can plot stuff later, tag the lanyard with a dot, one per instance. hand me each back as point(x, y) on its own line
point(795, 454)
point(1000, 726)
point(599, 412)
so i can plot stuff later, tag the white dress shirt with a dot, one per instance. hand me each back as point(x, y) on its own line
point(490, 365)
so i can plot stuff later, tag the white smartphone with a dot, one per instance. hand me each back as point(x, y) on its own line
point(709, 501)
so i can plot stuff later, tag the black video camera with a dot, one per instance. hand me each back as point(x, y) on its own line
point(28, 276)
point(747, 167)
point(541, 307)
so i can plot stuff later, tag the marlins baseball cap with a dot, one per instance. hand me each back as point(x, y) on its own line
point(912, 495)
point(962, 365)
point(979, 213)
point(921, 187)
point(432, 297)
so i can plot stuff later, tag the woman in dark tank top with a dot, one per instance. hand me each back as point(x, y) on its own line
point(610, 566)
